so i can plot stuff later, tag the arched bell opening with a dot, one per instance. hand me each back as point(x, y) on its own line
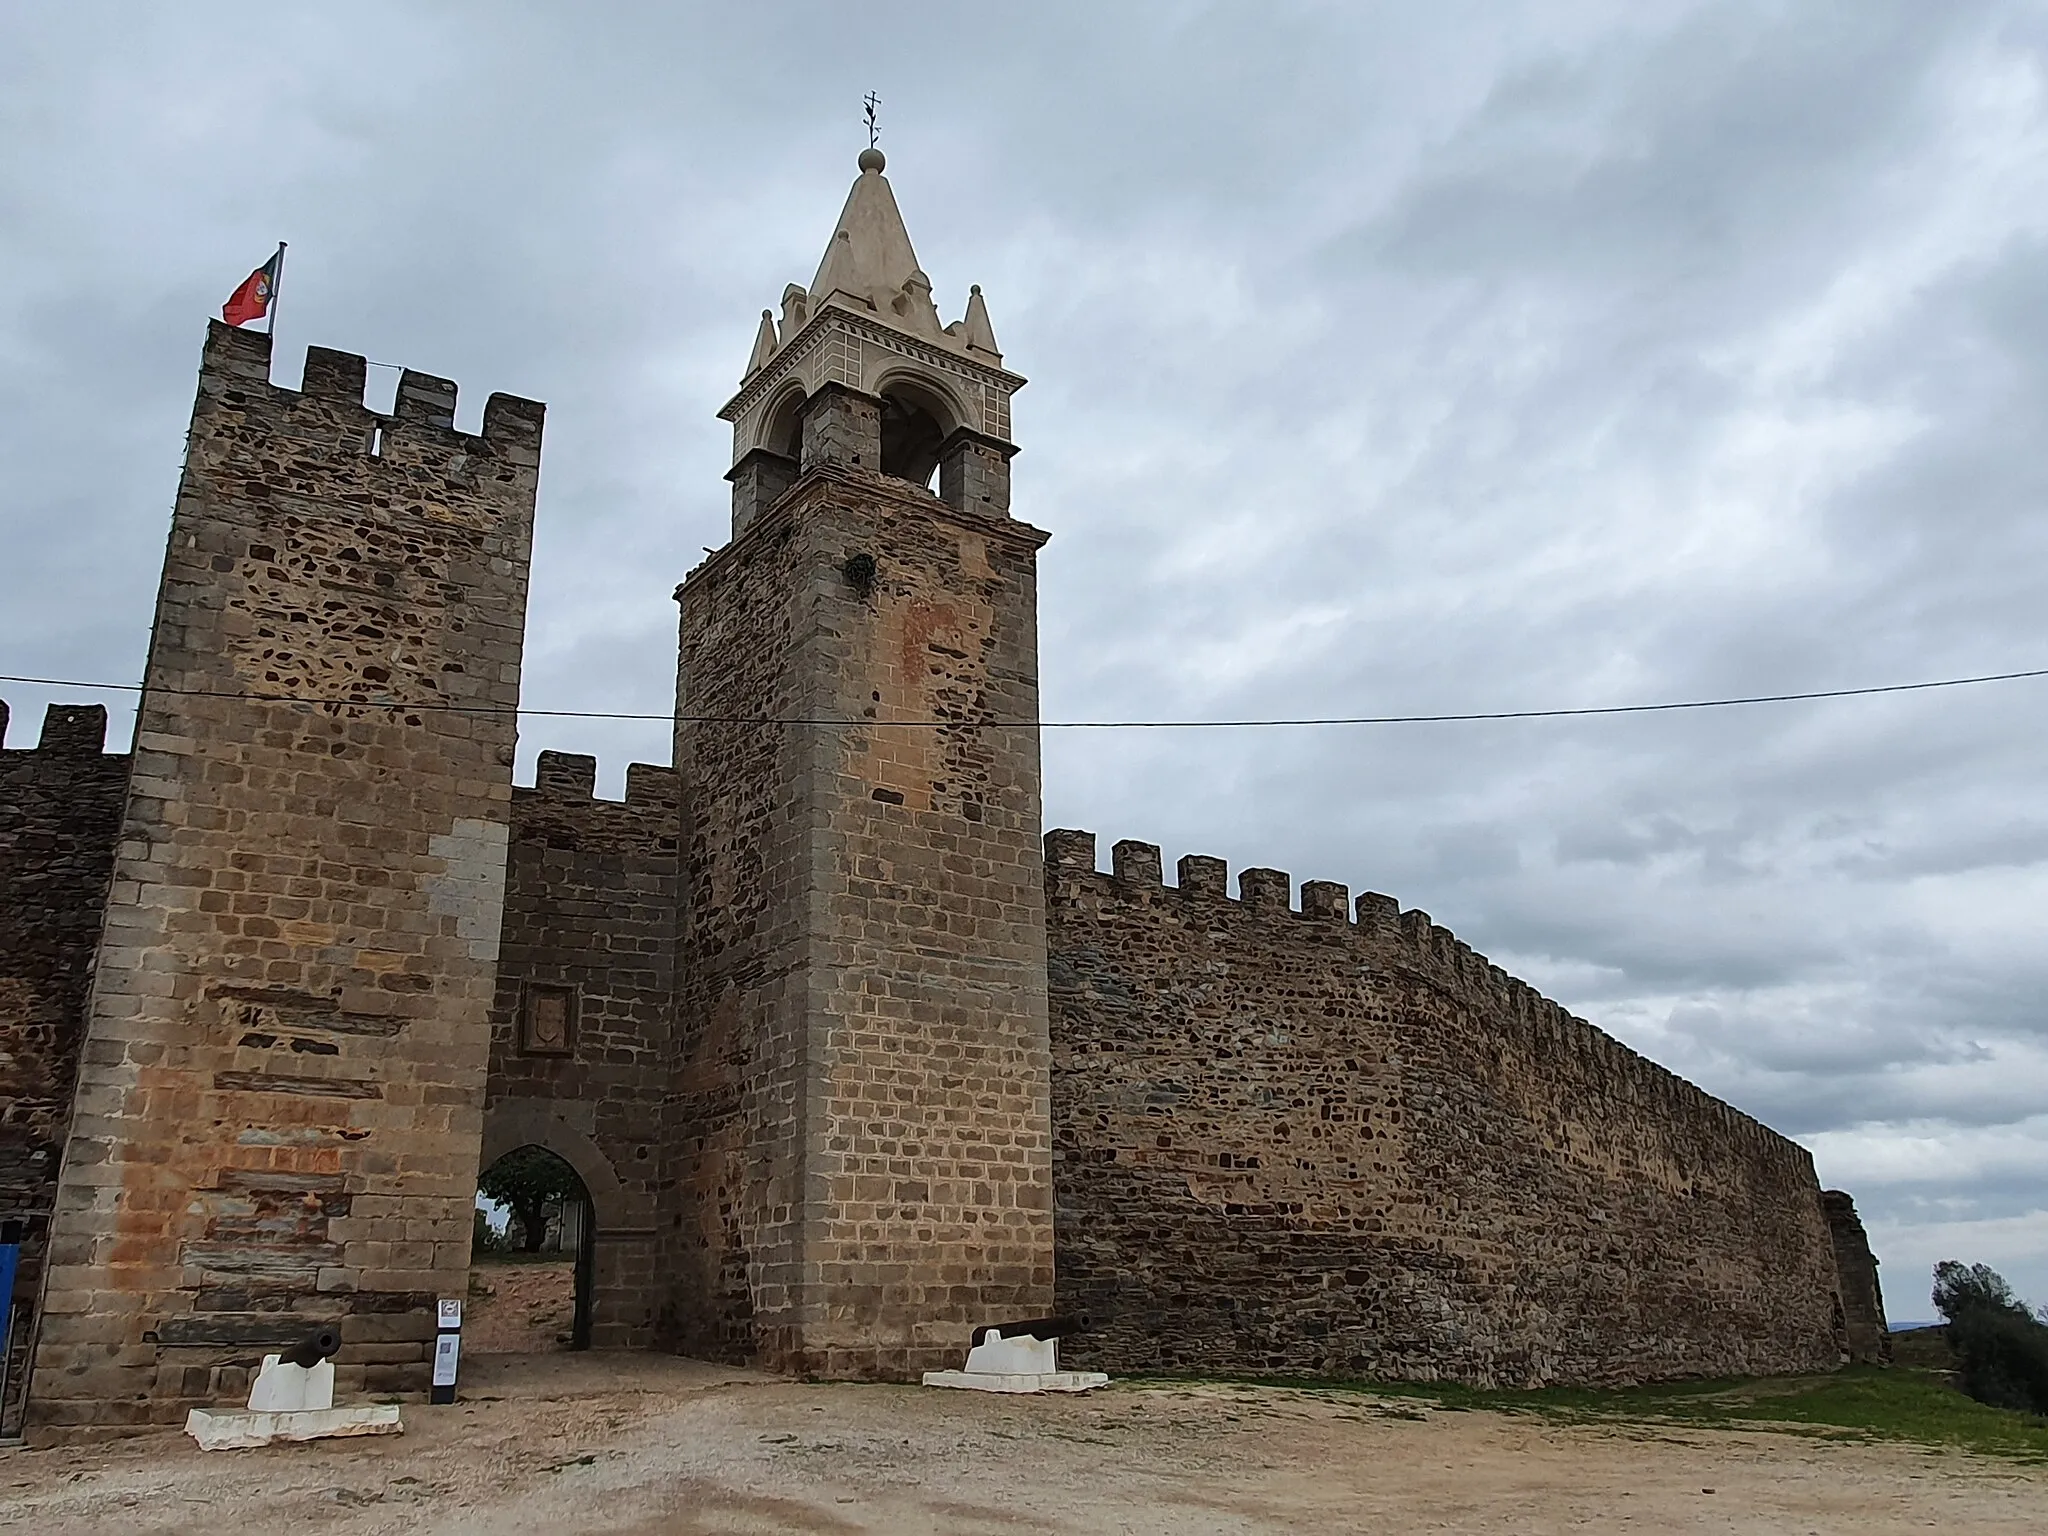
point(916, 421)
point(532, 1256)
point(783, 432)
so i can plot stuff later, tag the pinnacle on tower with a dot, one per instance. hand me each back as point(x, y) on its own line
point(765, 344)
point(975, 330)
point(869, 263)
point(870, 268)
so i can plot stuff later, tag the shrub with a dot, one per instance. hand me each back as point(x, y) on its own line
point(2001, 1349)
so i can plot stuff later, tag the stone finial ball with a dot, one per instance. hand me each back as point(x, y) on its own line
point(871, 159)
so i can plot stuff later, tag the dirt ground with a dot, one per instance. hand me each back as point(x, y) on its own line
point(658, 1447)
point(524, 1306)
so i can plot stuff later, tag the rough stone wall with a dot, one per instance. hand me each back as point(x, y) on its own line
point(60, 817)
point(281, 1094)
point(861, 1126)
point(1290, 1141)
point(591, 899)
point(1865, 1337)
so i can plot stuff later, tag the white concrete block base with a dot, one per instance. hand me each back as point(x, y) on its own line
point(1018, 1381)
point(282, 1387)
point(241, 1430)
point(1021, 1362)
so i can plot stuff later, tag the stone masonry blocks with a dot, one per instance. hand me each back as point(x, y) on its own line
point(279, 1104)
point(974, 474)
point(866, 1172)
point(591, 899)
point(60, 819)
point(839, 1047)
point(842, 428)
point(1288, 1143)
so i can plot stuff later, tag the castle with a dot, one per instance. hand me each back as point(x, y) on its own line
point(848, 1053)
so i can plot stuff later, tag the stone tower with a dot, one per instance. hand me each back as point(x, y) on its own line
point(860, 1138)
point(280, 1100)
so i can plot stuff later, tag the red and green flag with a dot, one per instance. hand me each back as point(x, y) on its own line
point(258, 292)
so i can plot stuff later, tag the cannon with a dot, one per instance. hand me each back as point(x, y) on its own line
point(1042, 1328)
point(292, 1398)
point(297, 1379)
point(320, 1344)
point(1020, 1357)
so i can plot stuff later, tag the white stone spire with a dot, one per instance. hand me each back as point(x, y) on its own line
point(869, 264)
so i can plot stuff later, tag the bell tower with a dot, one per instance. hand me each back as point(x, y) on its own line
point(859, 373)
point(861, 1131)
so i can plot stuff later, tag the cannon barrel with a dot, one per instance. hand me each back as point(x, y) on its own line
point(320, 1344)
point(1035, 1327)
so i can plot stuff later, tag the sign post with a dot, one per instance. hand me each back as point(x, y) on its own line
point(447, 1349)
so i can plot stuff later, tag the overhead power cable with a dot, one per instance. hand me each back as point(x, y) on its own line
point(1069, 725)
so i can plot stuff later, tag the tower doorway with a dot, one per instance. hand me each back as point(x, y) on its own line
point(532, 1256)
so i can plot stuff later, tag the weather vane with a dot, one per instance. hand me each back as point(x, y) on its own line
point(872, 102)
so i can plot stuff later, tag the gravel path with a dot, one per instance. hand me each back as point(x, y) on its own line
point(658, 1447)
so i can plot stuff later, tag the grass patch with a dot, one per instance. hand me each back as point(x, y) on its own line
point(1924, 1349)
point(1861, 1402)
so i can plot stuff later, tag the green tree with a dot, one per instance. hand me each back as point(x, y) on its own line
point(1960, 1288)
point(2001, 1348)
point(529, 1180)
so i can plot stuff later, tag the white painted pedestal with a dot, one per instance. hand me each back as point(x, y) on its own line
point(1018, 1381)
point(238, 1431)
point(1022, 1364)
point(289, 1402)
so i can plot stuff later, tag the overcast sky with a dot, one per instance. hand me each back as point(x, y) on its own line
point(1385, 358)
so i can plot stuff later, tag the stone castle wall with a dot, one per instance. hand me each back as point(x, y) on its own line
point(1867, 1339)
point(582, 1047)
point(1299, 1141)
point(785, 1008)
point(862, 1122)
point(736, 1158)
point(280, 1099)
point(60, 817)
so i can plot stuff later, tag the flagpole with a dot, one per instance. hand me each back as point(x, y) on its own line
point(276, 289)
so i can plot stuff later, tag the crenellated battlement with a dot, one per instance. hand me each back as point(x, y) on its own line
point(562, 808)
point(69, 730)
point(1375, 930)
point(570, 778)
point(237, 362)
point(848, 1062)
point(324, 749)
point(565, 776)
point(321, 550)
point(294, 452)
point(592, 893)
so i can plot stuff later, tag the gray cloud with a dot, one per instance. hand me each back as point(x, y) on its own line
point(1385, 360)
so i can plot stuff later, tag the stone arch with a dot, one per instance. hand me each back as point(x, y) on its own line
point(918, 414)
point(514, 1123)
point(517, 1123)
point(782, 423)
